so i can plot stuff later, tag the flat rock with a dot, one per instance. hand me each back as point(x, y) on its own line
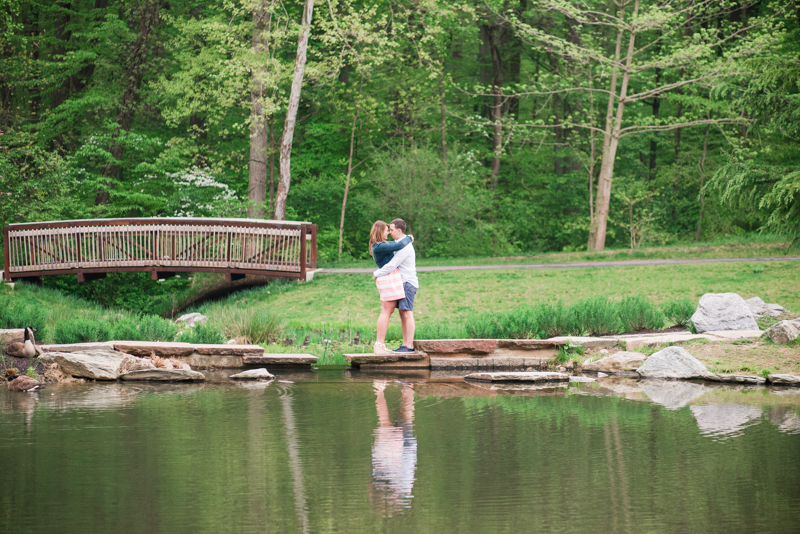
point(617, 363)
point(253, 374)
point(164, 349)
point(582, 379)
point(78, 347)
point(670, 394)
point(738, 379)
point(784, 380)
point(673, 362)
point(164, 375)
point(723, 311)
point(633, 342)
point(94, 365)
point(777, 308)
point(533, 376)
point(228, 350)
point(783, 332)
point(381, 358)
point(132, 363)
point(456, 346)
point(585, 341)
point(733, 334)
point(280, 359)
point(11, 335)
point(191, 319)
point(528, 344)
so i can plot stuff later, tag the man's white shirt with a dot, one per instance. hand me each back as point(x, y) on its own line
point(405, 261)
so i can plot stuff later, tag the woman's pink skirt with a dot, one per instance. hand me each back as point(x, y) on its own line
point(390, 286)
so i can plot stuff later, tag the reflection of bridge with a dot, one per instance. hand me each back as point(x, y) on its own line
point(162, 246)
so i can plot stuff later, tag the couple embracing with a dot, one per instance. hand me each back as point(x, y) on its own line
point(397, 281)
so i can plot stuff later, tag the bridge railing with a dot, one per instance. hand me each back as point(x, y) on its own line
point(235, 247)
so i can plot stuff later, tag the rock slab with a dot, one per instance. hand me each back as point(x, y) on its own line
point(456, 346)
point(11, 335)
point(618, 362)
point(160, 348)
point(783, 332)
point(762, 309)
point(359, 359)
point(739, 379)
point(280, 359)
point(164, 375)
point(723, 311)
point(582, 379)
point(542, 376)
point(94, 365)
point(253, 374)
point(191, 319)
point(784, 380)
point(673, 362)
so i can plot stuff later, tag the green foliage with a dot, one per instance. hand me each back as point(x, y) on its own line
point(597, 316)
point(203, 333)
point(256, 325)
point(144, 328)
point(16, 313)
point(82, 330)
point(554, 319)
point(637, 313)
point(679, 311)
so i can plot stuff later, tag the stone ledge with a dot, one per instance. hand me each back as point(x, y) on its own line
point(280, 359)
point(490, 362)
point(368, 358)
point(164, 375)
point(456, 346)
point(163, 349)
point(78, 347)
point(519, 377)
point(228, 350)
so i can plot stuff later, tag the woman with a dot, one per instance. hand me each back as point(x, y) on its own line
point(390, 286)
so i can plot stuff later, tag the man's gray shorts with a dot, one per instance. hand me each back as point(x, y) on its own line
point(407, 304)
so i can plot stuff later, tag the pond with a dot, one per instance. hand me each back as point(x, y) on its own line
point(349, 451)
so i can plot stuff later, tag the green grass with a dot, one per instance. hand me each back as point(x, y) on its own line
point(728, 247)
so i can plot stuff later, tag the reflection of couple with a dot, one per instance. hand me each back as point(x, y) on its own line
point(394, 454)
point(396, 278)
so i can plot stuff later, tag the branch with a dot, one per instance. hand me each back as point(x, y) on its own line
point(632, 130)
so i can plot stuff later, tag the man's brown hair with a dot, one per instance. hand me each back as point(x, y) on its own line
point(400, 224)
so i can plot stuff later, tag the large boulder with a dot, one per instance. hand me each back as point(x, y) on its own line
point(164, 375)
point(783, 332)
point(94, 365)
point(619, 362)
point(673, 362)
point(723, 311)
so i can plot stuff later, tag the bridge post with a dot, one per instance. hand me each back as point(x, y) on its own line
point(314, 246)
point(6, 255)
point(303, 252)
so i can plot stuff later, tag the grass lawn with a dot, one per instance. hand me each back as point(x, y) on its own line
point(350, 301)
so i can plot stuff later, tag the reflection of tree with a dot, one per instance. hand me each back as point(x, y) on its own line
point(620, 485)
point(394, 454)
point(294, 461)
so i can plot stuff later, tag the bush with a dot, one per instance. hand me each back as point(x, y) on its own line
point(484, 326)
point(144, 328)
point(17, 314)
point(258, 325)
point(81, 331)
point(440, 331)
point(679, 311)
point(553, 319)
point(596, 316)
point(637, 313)
point(203, 333)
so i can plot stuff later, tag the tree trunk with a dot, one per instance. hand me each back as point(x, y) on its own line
point(347, 181)
point(259, 134)
point(593, 226)
point(609, 154)
point(271, 206)
point(702, 180)
point(444, 118)
point(497, 110)
point(285, 179)
point(137, 58)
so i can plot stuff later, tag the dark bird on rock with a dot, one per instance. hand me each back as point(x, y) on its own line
point(23, 383)
point(26, 349)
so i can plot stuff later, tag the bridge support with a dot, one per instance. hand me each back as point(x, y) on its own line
point(161, 275)
point(232, 277)
point(88, 277)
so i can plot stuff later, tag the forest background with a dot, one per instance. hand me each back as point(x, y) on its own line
point(492, 127)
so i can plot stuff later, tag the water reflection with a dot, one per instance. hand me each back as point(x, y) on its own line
point(295, 465)
point(723, 421)
point(672, 394)
point(786, 419)
point(394, 453)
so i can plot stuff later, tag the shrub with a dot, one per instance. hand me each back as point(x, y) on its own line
point(485, 326)
point(679, 311)
point(553, 319)
point(597, 316)
point(81, 331)
point(144, 328)
point(258, 325)
point(440, 330)
point(203, 333)
point(637, 313)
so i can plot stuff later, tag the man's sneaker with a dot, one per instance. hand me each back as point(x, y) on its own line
point(380, 348)
point(403, 348)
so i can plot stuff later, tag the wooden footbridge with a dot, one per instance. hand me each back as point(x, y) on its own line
point(162, 246)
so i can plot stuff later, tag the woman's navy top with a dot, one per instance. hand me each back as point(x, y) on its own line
point(382, 252)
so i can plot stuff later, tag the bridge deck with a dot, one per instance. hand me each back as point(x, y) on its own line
point(235, 247)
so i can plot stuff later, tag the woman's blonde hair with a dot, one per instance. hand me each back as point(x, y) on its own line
point(376, 234)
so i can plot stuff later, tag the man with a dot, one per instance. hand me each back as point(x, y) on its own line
point(405, 261)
